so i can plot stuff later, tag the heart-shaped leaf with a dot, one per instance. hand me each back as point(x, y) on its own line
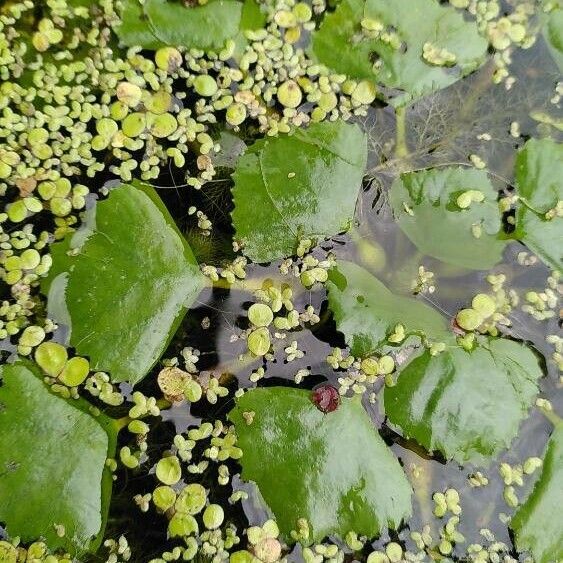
point(451, 214)
point(297, 186)
point(539, 179)
point(332, 469)
point(123, 283)
point(52, 463)
point(536, 525)
point(466, 404)
point(366, 312)
point(411, 66)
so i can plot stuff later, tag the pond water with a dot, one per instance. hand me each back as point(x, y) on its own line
point(441, 130)
point(472, 117)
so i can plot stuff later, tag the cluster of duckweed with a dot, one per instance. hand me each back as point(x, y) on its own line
point(118, 550)
point(64, 374)
point(424, 282)
point(513, 476)
point(189, 384)
point(542, 305)
point(517, 29)
point(488, 312)
point(143, 407)
point(13, 552)
point(361, 373)
point(182, 499)
point(557, 356)
point(272, 316)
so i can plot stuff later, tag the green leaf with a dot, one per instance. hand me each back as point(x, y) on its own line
point(467, 405)
point(134, 29)
point(333, 43)
point(426, 207)
point(536, 525)
point(366, 312)
point(200, 27)
point(539, 180)
point(297, 186)
point(332, 469)
point(52, 460)
point(341, 45)
point(553, 35)
point(126, 284)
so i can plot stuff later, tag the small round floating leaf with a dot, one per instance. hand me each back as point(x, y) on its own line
point(242, 556)
point(191, 499)
point(164, 497)
point(205, 85)
point(182, 525)
point(259, 341)
point(32, 336)
point(259, 314)
point(172, 381)
point(129, 94)
point(168, 470)
point(236, 114)
point(51, 357)
point(289, 94)
point(160, 102)
point(8, 553)
point(469, 319)
point(134, 124)
point(192, 391)
point(168, 59)
point(484, 304)
point(162, 126)
point(75, 371)
point(106, 127)
point(30, 259)
point(268, 550)
point(213, 516)
point(364, 92)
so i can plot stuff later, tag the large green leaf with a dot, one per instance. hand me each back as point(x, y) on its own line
point(536, 525)
point(425, 205)
point(466, 404)
point(340, 45)
point(297, 186)
point(553, 35)
point(125, 283)
point(332, 469)
point(202, 27)
point(366, 312)
point(539, 180)
point(52, 460)
point(134, 29)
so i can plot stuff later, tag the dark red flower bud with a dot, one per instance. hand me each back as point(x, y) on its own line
point(326, 397)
